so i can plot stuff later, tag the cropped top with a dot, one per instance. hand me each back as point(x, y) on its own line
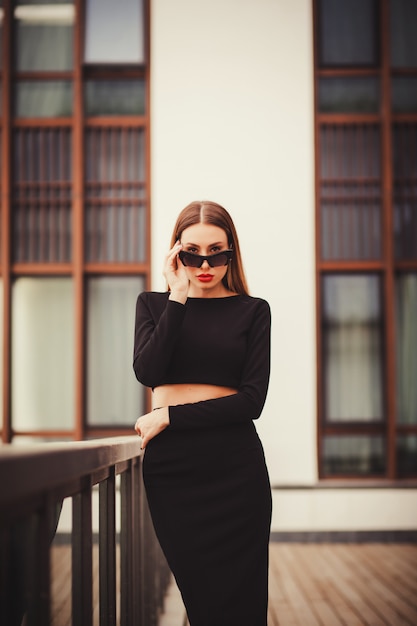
point(217, 341)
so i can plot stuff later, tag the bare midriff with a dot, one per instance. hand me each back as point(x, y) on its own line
point(172, 395)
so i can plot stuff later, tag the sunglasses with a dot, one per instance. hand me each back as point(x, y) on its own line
point(214, 260)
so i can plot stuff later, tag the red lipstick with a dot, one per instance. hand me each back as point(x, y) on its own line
point(205, 278)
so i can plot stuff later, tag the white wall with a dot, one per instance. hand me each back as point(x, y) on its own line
point(322, 510)
point(232, 121)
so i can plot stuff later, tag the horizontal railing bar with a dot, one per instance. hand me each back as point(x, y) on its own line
point(44, 467)
point(21, 508)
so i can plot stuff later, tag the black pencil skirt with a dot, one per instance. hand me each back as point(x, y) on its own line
point(210, 501)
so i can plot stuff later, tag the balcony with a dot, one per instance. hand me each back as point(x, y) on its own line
point(109, 569)
point(116, 577)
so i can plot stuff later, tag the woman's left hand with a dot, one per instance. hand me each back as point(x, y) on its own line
point(151, 424)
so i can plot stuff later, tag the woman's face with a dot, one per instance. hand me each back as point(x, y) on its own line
point(205, 240)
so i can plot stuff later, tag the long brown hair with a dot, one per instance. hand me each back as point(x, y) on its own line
point(206, 212)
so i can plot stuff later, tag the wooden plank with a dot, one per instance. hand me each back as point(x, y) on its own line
point(335, 585)
point(401, 561)
point(60, 589)
point(387, 584)
point(356, 590)
point(307, 571)
point(285, 605)
point(309, 594)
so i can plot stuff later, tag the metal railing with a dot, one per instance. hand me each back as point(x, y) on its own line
point(34, 481)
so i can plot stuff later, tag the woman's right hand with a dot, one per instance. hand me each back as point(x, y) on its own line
point(175, 275)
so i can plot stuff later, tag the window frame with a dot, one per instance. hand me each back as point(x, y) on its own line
point(77, 268)
point(387, 266)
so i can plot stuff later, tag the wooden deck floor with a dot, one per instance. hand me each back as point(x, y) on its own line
point(310, 585)
point(328, 585)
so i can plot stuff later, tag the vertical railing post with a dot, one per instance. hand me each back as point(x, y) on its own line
point(16, 556)
point(43, 529)
point(150, 568)
point(126, 587)
point(5, 594)
point(142, 558)
point(82, 559)
point(136, 543)
point(107, 549)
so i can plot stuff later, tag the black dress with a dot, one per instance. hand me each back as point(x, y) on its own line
point(205, 475)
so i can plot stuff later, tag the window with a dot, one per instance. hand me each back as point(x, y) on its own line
point(366, 228)
point(75, 207)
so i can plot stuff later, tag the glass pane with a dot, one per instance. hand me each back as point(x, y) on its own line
point(403, 20)
point(407, 455)
point(350, 192)
point(117, 97)
point(353, 455)
point(115, 226)
point(348, 32)
point(41, 215)
point(48, 98)
point(404, 94)
point(44, 36)
point(405, 190)
point(124, 28)
point(406, 338)
point(352, 348)
point(349, 95)
point(43, 354)
point(114, 396)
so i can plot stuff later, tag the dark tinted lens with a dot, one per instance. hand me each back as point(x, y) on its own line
point(216, 260)
point(191, 260)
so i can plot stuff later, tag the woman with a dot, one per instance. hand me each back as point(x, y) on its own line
point(204, 349)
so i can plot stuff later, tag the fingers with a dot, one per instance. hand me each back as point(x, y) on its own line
point(175, 274)
point(176, 247)
point(140, 433)
point(143, 430)
point(151, 424)
point(171, 259)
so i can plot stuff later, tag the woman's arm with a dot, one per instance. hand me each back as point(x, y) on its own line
point(155, 339)
point(155, 333)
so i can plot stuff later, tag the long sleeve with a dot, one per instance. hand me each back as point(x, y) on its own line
point(156, 336)
point(248, 402)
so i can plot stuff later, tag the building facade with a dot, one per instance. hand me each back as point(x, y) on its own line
point(300, 118)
